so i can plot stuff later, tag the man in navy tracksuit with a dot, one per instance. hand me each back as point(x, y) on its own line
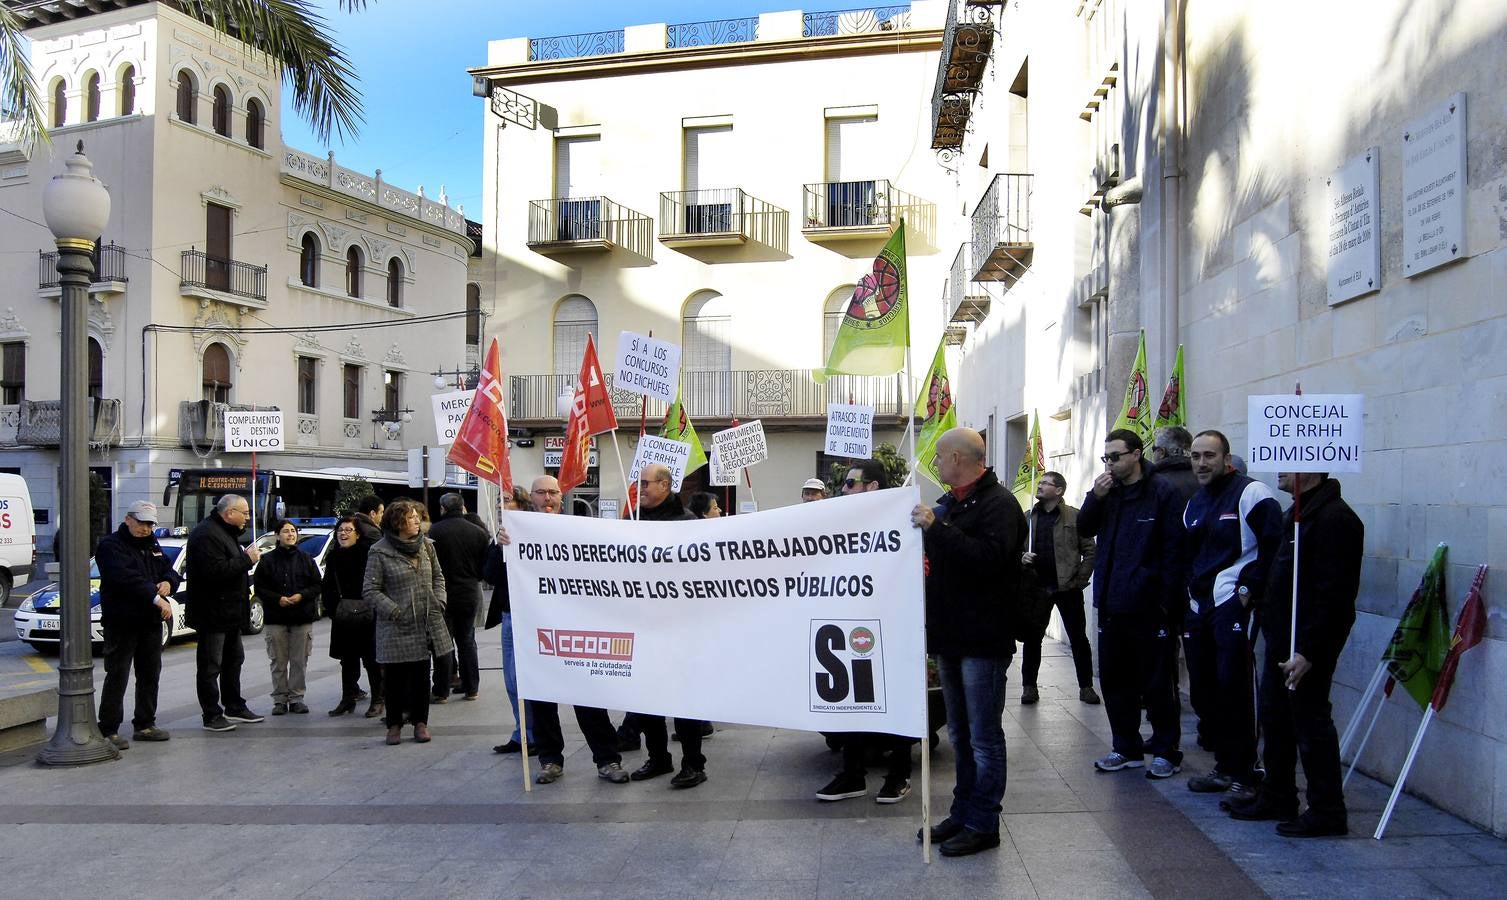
point(1233, 527)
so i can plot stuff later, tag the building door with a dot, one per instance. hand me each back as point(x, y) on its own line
point(578, 173)
point(217, 246)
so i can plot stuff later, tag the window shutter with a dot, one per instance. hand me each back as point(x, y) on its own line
point(708, 158)
point(578, 166)
point(853, 149)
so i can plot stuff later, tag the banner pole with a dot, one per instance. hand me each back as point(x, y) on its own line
point(528, 775)
point(1297, 529)
point(1364, 740)
point(1402, 777)
point(1365, 700)
point(749, 481)
point(618, 452)
point(910, 404)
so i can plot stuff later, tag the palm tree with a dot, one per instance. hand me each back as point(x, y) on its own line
point(292, 32)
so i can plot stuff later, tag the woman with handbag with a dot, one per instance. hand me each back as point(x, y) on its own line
point(353, 634)
point(406, 589)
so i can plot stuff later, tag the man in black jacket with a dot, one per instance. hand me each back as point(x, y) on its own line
point(219, 601)
point(462, 551)
point(1170, 459)
point(369, 511)
point(1295, 712)
point(974, 538)
point(135, 580)
point(1137, 518)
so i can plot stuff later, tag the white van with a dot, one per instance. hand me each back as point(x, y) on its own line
point(18, 536)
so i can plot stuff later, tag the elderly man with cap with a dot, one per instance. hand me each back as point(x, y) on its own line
point(135, 580)
point(813, 489)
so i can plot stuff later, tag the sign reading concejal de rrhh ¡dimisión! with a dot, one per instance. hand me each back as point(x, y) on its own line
point(253, 431)
point(1306, 432)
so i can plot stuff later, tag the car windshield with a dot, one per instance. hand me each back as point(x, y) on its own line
point(312, 544)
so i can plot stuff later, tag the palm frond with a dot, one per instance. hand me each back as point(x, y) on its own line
point(20, 98)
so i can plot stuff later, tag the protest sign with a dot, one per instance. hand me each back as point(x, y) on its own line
point(850, 430)
point(721, 476)
point(655, 449)
point(647, 366)
point(747, 506)
point(608, 507)
point(449, 411)
point(825, 615)
point(1305, 432)
point(742, 446)
point(253, 431)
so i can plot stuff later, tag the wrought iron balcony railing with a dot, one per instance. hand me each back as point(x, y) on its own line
point(568, 223)
point(109, 266)
point(202, 422)
point(848, 205)
point(854, 21)
point(571, 46)
point(705, 34)
point(967, 39)
point(1002, 247)
point(200, 270)
point(963, 303)
point(40, 422)
point(719, 215)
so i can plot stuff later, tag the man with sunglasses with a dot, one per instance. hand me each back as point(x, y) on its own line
point(1136, 516)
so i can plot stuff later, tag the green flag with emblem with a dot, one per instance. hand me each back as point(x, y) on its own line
point(875, 328)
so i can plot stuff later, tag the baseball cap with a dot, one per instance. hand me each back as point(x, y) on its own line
point(143, 511)
point(813, 484)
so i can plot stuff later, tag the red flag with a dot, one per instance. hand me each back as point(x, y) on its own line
point(590, 413)
point(1469, 629)
point(481, 442)
point(632, 500)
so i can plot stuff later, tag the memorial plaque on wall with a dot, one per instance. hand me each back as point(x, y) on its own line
point(1433, 188)
point(1354, 228)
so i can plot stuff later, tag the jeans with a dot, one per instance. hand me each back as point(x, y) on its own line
point(1300, 723)
point(974, 690)
point(125, 644)
point(218, 661)
point(596, 727)
point(1070, 605)
point(1137, 659)
point(1217, 642)
point(288, 648)
point(406, 686)
point(510, 680)
point(657, 739)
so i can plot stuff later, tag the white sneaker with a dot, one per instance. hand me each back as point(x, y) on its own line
point(1162, 768)
point(1114, 762)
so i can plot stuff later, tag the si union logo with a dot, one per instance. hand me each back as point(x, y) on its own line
point(861, 640)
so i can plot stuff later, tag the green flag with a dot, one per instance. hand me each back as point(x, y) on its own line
point(875, 327)
point(678, 427)
point(1032, 465)
point(1135, 414)
point(1174, 408)
point(1421, 642)
point(935, 409)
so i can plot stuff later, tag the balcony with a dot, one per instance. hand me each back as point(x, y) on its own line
point(201, 423)
point(327, 173)
point(787, 396)
point(967, 39)
point(710, 34)
point(213, 278)
point(718, 218)
point(964, 303)
point(109, 271)
point(1002, 248)
point(863, 20)
point(41, 423)
point(587, 224)
point(847, 210)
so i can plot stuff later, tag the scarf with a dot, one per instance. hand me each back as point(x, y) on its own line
point(408, 547)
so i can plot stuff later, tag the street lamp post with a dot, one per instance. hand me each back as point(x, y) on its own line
point(77, 207)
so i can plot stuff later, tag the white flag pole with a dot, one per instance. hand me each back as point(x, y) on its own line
point(1364, 740)
point(1297, 534)
point(1402, 777)
point(528, 775)
point(1365, 700)
point(618, 452)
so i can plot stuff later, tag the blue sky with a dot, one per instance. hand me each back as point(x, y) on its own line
point(422, 124)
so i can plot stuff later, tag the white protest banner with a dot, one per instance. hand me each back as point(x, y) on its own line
point(449, 411)
point(655, 449)
point(1305, 432)
point(742, 446)
point(253, 431)
point(720, 475)
point(850, 430)
point(791, 618)
point(647, 366)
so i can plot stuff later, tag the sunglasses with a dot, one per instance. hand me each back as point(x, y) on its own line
point(1115, 457)
point(853, 482)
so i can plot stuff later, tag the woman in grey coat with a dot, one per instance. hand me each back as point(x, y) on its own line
point(406, 589)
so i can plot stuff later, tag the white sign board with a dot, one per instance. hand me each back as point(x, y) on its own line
point(747, 506)
point(552, 459)
point(720, 475)
point(1306, 432)
point(824, 601)
point(253, 431)
point(742, 446)
point(647, 366)
point(1355, 228)
point(850, 430)
point(1433, 188)
point(654, 449)
point(449, 412)
point(609, 507)
point(436, 467)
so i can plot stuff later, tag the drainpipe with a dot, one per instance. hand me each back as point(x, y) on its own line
point(1172, 164)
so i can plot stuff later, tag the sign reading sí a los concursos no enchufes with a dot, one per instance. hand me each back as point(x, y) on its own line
point(647, 366)
point(253, 431)
point(1306, 432)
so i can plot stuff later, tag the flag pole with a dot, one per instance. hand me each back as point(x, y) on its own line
point(1297, 534)
point(1402, 777)
point(1365, 701)
point(618, 452)
point(528, 776)
point(1365, 738)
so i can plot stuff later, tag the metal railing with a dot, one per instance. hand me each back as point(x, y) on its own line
point(745, 394)
point(720, 211)
point(958, 277)
point(1002, 216)
point(847, 204)
point(568, 220)
point(40, 422)
point(967, 38)
point(719, 31)
point(109, 265)
point(228, 276)
point(571, 46)
point(852, 21)
point(202, 422)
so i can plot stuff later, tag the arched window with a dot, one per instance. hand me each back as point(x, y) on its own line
point(308, 260)
point(353, 272)
point(222, 111)
point(127, 90)
point(575, 318)
point(473, 314)
point(188, 97)
point(96, 388)
point(217, 382)
point(832, 313)
point(91, 98)
point(395, 282)
point(254, 122)
point(707, 356)
point(59, 103)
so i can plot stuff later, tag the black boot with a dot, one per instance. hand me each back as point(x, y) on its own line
point(347, 704)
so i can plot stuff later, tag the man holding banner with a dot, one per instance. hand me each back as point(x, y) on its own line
point(974, 538)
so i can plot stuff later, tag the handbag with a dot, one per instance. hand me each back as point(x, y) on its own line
point(352, 611)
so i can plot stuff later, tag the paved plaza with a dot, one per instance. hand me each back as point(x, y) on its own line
point(310, 806)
